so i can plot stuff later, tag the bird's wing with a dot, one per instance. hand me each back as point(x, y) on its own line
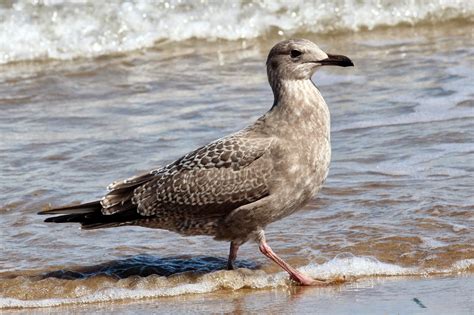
point(210, 181)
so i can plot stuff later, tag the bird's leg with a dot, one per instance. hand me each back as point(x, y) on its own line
point(234, 247)
point(294, 274)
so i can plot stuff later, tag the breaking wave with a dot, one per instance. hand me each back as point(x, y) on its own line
point(61, 29)
point(46, 291)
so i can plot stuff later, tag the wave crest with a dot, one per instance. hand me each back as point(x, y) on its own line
point(57, 29)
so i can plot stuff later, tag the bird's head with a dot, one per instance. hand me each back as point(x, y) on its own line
point(298, 59)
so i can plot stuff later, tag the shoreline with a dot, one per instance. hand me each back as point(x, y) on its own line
point(374, 295)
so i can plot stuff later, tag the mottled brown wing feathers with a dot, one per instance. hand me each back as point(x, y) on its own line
point(210, 181)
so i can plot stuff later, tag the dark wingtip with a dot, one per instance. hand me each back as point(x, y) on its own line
point(73, 209)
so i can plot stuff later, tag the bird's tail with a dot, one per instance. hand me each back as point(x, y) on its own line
point(89, 215)
point(115, 209)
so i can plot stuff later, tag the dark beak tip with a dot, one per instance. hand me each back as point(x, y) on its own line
point(343, 61)
point(338, 60)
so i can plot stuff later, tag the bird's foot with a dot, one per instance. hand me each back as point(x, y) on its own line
point(308, 281)
point(304, 280)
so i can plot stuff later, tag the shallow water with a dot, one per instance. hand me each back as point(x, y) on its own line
point(398, 200)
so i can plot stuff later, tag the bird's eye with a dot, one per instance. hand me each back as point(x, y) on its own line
point(295, 53)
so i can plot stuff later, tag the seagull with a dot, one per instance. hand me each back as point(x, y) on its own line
point(233, 187)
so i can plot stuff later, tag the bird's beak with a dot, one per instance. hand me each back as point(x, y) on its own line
point(337, 60)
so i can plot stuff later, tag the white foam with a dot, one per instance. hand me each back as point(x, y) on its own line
point(63, 29)
point(343, 265)
point(208, 283)
point(348, 265)
point(459, 266)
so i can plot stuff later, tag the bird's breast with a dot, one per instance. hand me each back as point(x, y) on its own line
point(301, 169)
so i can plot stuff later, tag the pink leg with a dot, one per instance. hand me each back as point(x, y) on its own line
point(294, 274)
point(234, 247)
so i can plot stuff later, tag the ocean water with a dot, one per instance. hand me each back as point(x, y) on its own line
point(398, 200)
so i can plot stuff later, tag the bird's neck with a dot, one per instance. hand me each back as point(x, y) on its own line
point(298, 100)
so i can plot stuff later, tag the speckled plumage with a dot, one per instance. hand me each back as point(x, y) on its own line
point(234, 187)
point(192, 194)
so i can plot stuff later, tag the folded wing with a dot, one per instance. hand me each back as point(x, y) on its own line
point(208, 182)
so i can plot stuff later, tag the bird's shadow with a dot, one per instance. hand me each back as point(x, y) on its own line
point(146, 265)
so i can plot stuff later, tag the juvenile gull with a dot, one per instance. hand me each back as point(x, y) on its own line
point(234, 187)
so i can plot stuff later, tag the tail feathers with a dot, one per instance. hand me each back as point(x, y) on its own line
point(90, 216)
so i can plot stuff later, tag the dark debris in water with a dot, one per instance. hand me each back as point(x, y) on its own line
point(420, 304)
point(145, 265)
